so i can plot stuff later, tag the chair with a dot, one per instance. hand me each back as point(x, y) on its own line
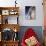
point(29, 33)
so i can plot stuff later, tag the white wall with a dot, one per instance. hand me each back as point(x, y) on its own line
point(22, 3)
point(39, 12)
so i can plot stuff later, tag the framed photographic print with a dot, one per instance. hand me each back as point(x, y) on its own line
point(30, 12)
point(0, 19)
point(5, 19)
point(13, 20)
point(0, 36)
point(10, 19)
point(5, 12)
point(13, 12)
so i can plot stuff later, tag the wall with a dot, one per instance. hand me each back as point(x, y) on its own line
point(44, 12)
point(44, 21)
point(39, 13)
point(22, 21)
point(38, 22)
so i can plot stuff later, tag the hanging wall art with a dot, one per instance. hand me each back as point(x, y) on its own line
point(30, 12)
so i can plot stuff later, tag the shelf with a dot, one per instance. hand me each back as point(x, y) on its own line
point(11, 41)
point(10, 19)
point(5, 8)
point(11, 15)
point(6, 12)
point(8, 26)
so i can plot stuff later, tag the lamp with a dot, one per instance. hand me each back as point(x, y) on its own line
point(15, 3)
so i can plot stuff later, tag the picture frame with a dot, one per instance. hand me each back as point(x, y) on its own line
point(0, 36)
point(30, 12)
point(5, 12)
point(10, 19)
point(5, 19)
point(13, 20)
point(13, 12)
point(0, 19)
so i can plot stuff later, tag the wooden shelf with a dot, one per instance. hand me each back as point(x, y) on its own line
point(9, 43)
point(4, 13)
point(5, 8)
point(11, 26)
